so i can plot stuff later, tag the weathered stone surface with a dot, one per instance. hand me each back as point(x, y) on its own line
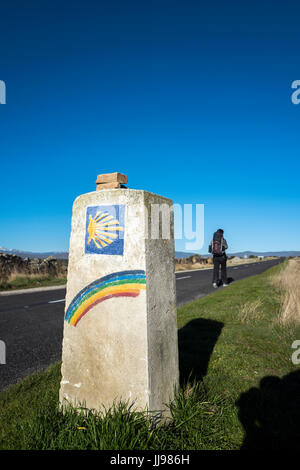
point(124, 347)
point(112, 178)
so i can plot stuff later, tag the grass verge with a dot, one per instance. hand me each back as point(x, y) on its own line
point(239, 388)
point(29, 281)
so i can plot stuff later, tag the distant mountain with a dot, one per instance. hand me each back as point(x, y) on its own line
point(178, 254)
point(30, 254)
point(241, 254)
point(266, 253)
point(183, 254)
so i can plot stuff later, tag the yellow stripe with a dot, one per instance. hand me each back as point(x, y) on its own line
point(100, 215)
point(109, 229)
point(112, 229)
point(107, 291)
point(106, 219)
point(95, 240)
point(111, 235)
point(101, 237)
point(105, 223)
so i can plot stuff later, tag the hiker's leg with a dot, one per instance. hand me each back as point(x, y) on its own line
point(223, 269)
point(216, 269)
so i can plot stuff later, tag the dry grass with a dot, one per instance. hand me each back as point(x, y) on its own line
point(190, 266)
point(17, 274)
point(230, 262)
point(20, 280)
point(288, 284)
point(250, 312)
point(238, 261)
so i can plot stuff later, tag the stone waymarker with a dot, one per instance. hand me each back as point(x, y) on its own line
point(120, 331)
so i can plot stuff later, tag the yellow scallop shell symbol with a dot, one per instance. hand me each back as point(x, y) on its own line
point(102, 229)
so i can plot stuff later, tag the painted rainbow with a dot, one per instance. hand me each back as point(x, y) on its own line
point(118, 284)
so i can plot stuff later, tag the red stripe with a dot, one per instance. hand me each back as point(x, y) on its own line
point(119, 294)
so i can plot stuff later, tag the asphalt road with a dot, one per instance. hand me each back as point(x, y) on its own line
point(31, 324)
point(191, 285)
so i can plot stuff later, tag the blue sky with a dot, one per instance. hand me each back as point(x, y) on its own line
point(190, 99)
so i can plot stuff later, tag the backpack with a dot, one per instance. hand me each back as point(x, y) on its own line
point(217, 245)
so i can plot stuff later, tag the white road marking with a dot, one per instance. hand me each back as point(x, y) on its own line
point(185, 277)
point(55, 301)
point(235, 268)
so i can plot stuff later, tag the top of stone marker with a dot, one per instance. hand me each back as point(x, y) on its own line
point(111, 181)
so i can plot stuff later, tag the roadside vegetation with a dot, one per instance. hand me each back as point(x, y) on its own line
point(288, 284)
point(239, 387)
point(21, 278)
point(26, 281)
point(187, 264)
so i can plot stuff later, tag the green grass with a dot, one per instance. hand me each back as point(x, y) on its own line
point(26, 282)
point(239, 388)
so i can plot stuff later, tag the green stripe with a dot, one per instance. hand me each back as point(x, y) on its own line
point(109, 284)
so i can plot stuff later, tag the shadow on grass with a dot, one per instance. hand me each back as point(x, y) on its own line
point(196, 341)
point(270, 414)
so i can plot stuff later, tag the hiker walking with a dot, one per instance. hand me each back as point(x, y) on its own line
point(217, 247)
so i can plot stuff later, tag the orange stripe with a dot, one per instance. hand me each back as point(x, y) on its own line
point(107, 291)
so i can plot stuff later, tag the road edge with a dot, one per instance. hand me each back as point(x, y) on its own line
point(31, 290)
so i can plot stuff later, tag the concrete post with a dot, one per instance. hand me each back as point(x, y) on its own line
point(120, 331)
